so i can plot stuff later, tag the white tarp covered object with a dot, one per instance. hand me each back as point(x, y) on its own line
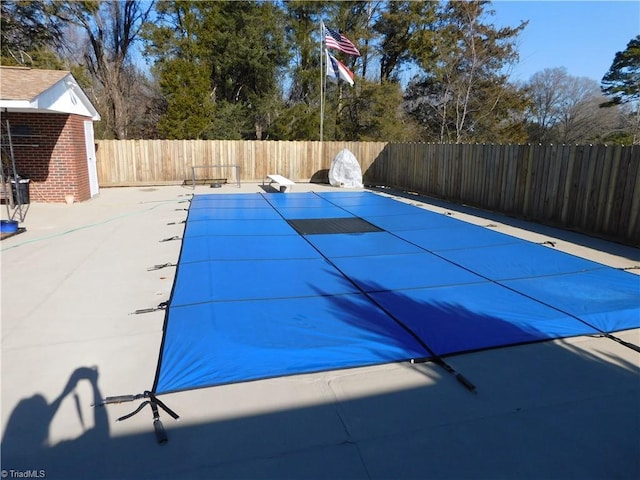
point(345, 170)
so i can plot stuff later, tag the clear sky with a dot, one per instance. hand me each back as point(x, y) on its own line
point(582, 36)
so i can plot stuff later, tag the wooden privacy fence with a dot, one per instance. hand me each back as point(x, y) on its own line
point(139, 162)
point(591, 188)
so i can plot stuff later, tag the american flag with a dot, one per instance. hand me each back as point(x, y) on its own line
point(334, 39)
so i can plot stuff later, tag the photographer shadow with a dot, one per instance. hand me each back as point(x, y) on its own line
point(26, 443)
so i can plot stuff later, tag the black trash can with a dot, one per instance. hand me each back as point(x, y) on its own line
point(20, 189)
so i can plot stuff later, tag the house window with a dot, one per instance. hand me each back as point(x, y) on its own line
point(21, 130)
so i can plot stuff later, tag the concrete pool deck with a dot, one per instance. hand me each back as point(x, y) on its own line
point(563, 409)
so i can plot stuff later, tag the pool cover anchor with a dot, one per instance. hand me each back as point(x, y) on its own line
point(160, 266)
point(170, 239)
point(153, 402)
point(161, 306)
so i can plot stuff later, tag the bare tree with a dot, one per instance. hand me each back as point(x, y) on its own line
point(565, 109)
point(546, 90)
point(111, 28)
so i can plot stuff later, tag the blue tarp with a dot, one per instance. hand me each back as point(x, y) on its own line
point(253, 299)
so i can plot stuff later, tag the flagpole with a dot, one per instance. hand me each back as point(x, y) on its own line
point(321, 93)
point(321, 84)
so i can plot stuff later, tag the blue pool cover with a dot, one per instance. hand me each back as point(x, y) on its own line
point(253, 298)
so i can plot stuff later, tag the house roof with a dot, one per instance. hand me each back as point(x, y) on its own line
point(41, 91)
point(20, 83)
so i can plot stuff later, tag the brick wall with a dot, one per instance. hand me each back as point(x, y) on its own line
point(50, 150)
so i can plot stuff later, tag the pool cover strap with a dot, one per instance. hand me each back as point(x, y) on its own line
point(153, 402)
point(622, 342)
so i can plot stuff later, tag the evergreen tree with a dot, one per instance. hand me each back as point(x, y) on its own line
point(299, 119)
point(401, 25)
point(181, 69)
point(375, 114)
point(189, 110)
point(238, 47)
point(622, 84)
point(622, 81)
point(303, 34)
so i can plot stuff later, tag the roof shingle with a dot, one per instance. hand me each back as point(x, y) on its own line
point(20, 83)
